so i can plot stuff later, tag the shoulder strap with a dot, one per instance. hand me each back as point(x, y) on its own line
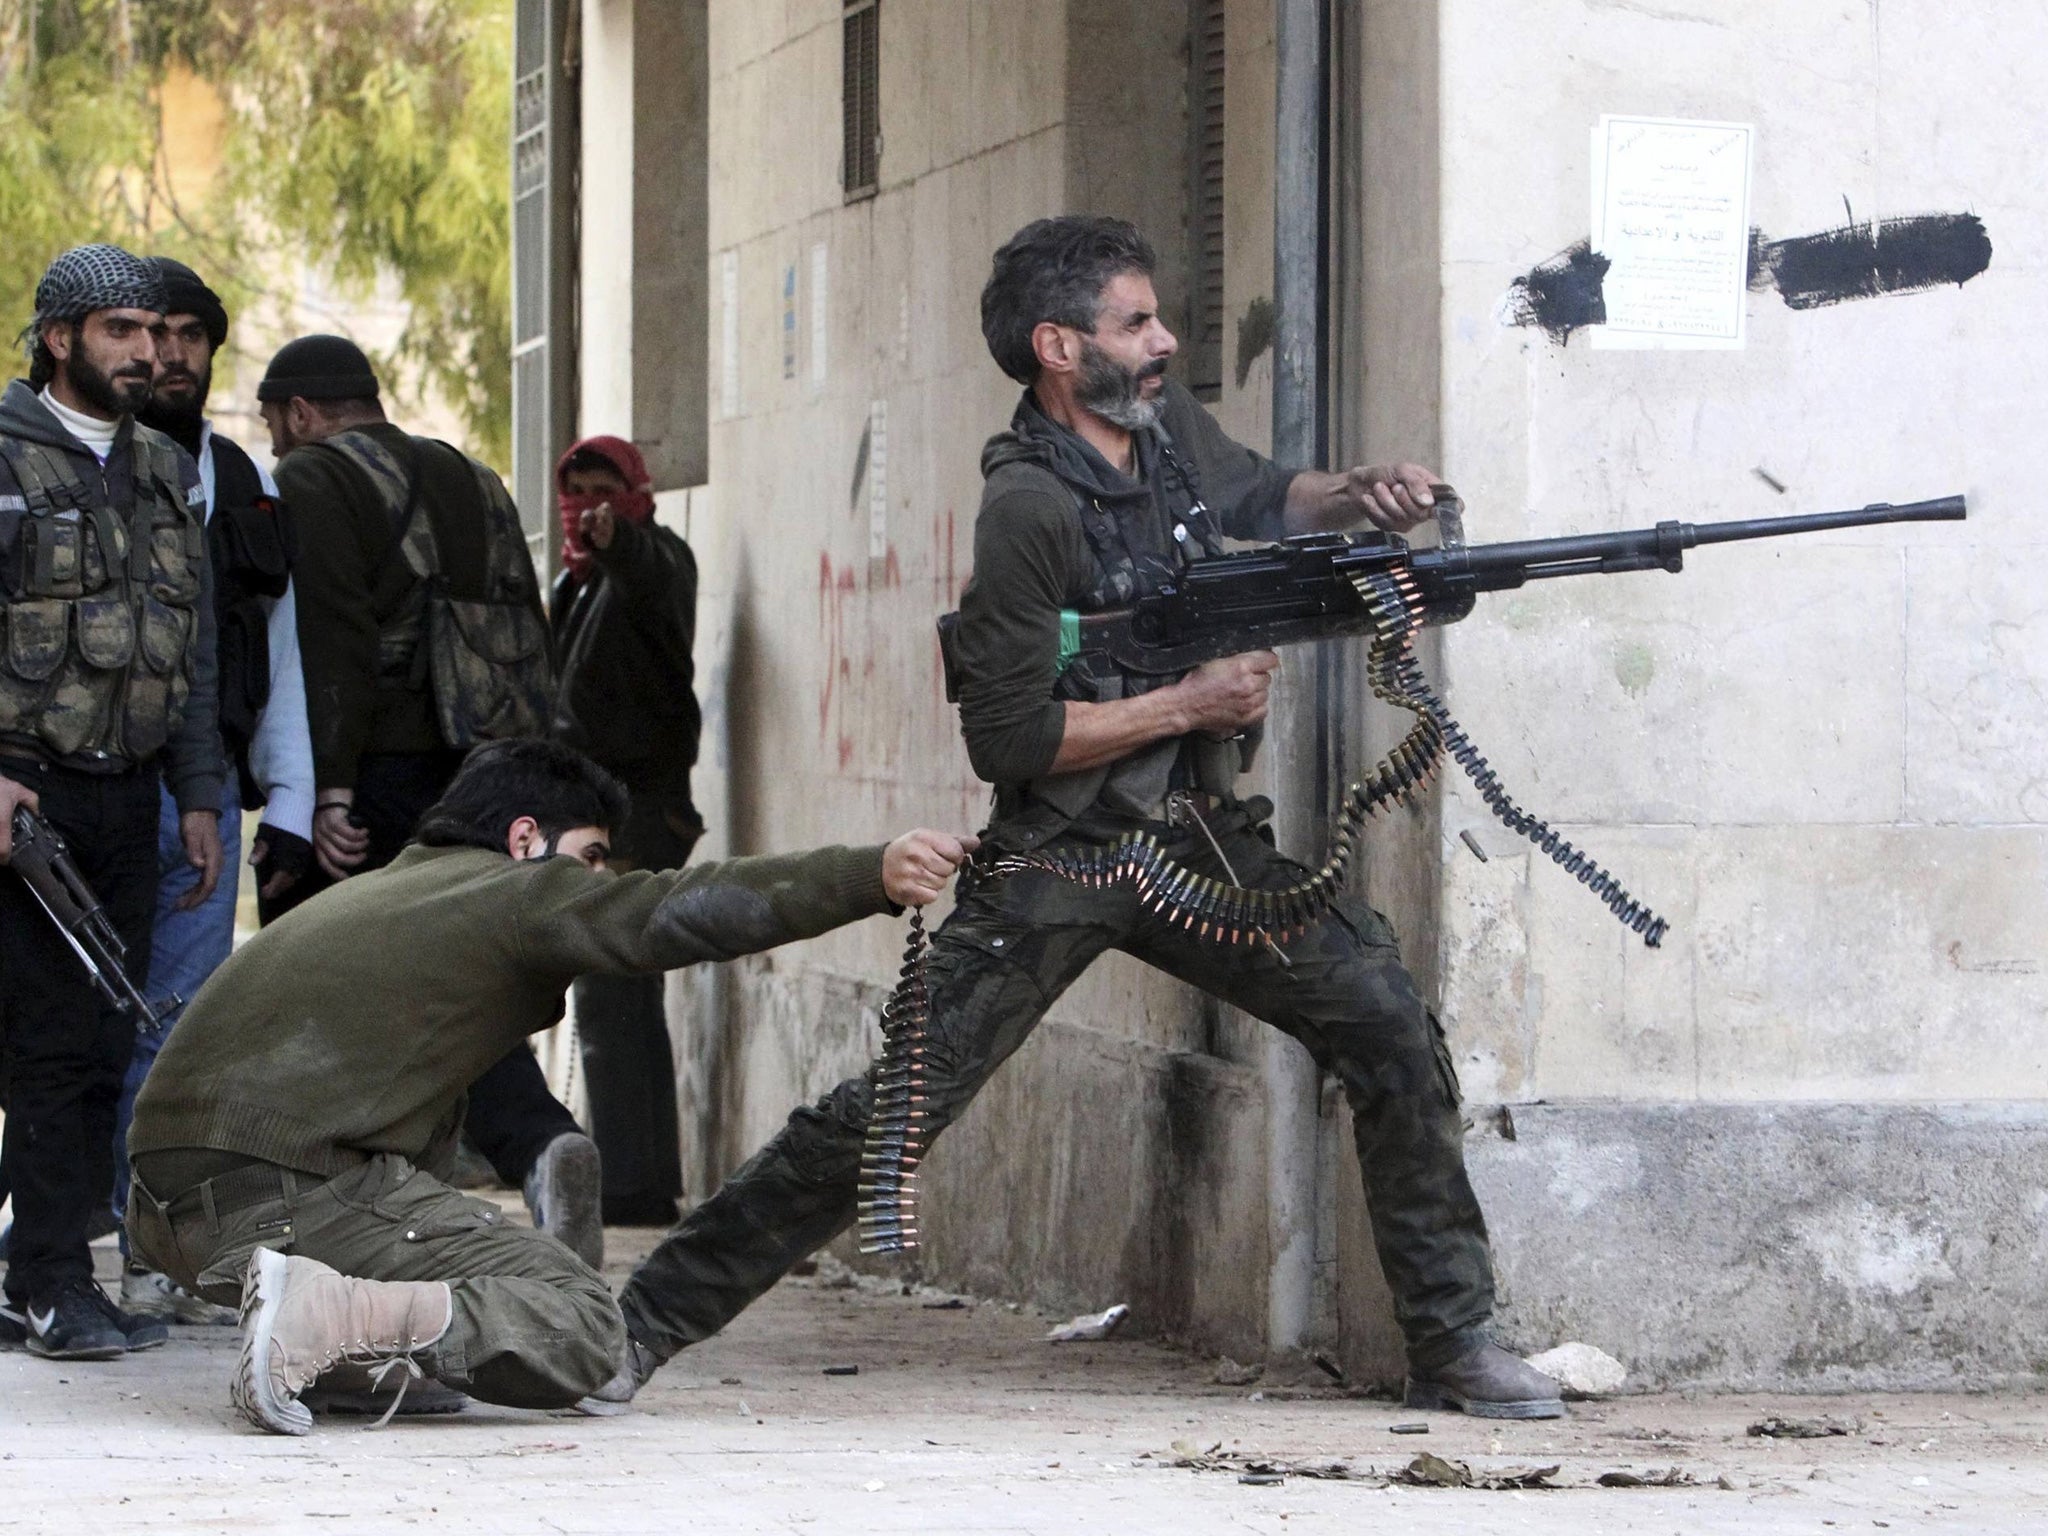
point(47, 475)
point(401, 501)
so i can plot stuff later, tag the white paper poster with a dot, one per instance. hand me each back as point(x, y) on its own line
point(819, 275)
point(1671, 215)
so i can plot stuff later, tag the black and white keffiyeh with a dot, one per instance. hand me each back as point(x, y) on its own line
point(90, 277)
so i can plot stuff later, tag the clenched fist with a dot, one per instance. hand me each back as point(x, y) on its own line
point(916, 867)
point(1224, 696)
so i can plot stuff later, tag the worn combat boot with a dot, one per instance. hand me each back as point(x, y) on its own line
point(146, 1293)
point(1488, 1383)
point(301, 1318)
point(357, 1391)
point(565, 1193)
point(636, 1365)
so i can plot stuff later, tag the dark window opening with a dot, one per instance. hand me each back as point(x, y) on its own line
point(859, 85)
point(1205, 200)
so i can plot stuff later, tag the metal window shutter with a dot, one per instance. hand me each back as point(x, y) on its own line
point(860, 87)
point(1205, 112)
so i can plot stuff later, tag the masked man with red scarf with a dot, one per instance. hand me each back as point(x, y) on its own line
point(625, 614)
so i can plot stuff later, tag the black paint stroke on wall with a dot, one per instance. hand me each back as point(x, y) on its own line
point(1865, 261)
point(1561, 294)
point(1855, 261)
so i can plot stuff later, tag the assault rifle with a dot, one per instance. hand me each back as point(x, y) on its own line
point(1320, 586)
point(41, 858)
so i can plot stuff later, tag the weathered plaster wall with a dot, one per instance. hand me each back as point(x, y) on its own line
point(1818, 758)
point(1118, 1156)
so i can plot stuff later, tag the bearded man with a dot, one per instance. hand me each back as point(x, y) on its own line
point(107, 689)
point(262, 720)
point(1110, 479)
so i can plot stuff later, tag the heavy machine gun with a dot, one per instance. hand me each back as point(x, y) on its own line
point(1325, 586)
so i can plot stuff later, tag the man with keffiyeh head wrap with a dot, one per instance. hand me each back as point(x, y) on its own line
point(107, 687)
point(624, 614)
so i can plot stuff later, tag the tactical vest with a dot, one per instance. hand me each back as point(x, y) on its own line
point(470, 630)
point(252, 547)
point(1135, 555)
point(102, 584)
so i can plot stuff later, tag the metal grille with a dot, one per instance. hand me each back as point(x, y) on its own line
point(529, 37)
point(859, 87)
point(533, 426)
point(532, 469)
point(1205, 199)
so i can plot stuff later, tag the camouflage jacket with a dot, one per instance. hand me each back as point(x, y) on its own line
point(109, 661)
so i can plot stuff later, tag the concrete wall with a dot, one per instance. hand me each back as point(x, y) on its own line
point(1817, 757)
point(825, 719)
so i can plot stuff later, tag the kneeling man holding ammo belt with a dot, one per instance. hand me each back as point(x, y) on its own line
point(290, 1143)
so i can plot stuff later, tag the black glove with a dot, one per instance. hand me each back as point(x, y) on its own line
point(284, 853)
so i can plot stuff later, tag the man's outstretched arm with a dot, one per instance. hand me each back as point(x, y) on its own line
point(574, 921)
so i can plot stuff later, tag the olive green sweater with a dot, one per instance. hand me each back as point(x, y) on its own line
point(356, 1023)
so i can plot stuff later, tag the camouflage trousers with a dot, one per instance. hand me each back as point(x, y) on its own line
point(997, 964)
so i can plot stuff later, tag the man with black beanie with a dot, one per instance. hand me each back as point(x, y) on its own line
point(387, 522)
point(262, 718)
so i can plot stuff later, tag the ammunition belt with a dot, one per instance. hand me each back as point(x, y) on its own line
point(894, 1145)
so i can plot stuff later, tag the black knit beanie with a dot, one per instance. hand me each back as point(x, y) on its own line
point(318, 368)
point(186, 294)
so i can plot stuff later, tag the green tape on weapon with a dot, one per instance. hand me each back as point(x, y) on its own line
point(1070, 639)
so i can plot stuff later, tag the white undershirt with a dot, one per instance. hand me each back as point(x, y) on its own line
point(90, 430)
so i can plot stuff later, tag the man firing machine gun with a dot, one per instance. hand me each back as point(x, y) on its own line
point(1107, 658)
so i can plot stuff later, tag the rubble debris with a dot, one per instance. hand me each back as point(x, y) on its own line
point(1780, 1426)
point(1230, 1374)
point(1427, 1471)
point(1581, 1370)
point(1090, 1326)
point(1269, 1468)
point(1669, 1477)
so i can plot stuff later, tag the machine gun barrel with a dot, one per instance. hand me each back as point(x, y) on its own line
point(1497, 567)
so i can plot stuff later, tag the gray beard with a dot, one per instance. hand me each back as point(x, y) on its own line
point(1112, 391)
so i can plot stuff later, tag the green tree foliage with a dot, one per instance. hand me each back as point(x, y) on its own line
point(364, 137)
